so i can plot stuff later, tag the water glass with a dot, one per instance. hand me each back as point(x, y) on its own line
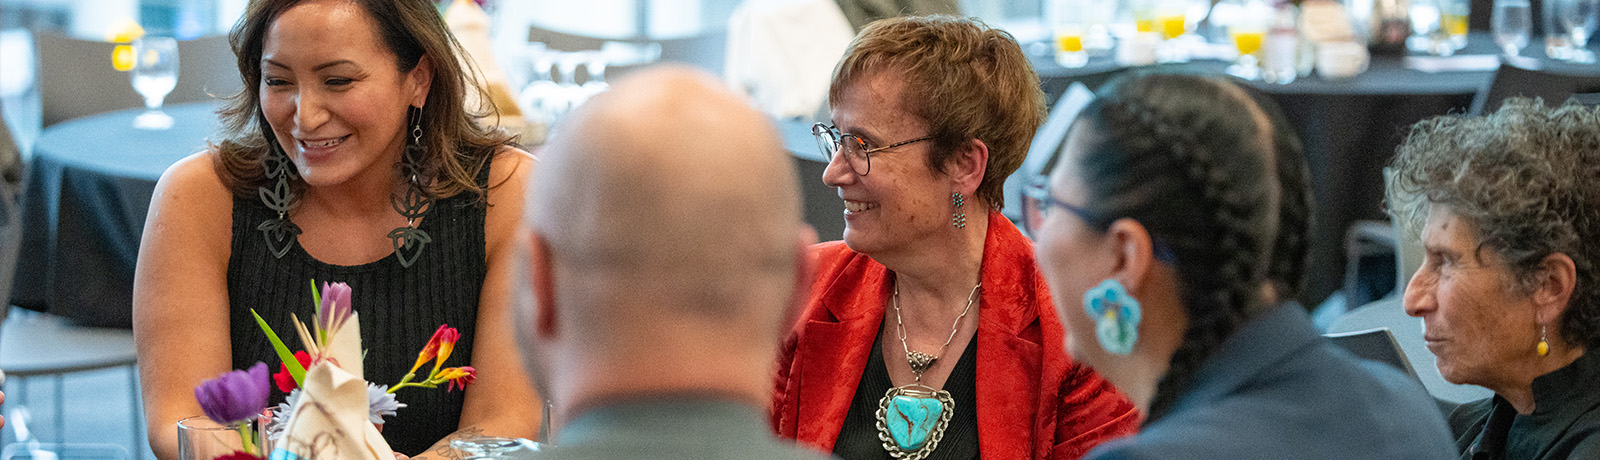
point(1511, 22)
point(1247, 28)
point(491, 447)
point(154, 74)
point(1579, 19)
point(1068, 28)
point(1453, 20)
point(200, 438)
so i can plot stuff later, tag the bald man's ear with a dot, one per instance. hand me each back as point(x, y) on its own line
point(802, 279)
point(967, 166)
point(543, 283)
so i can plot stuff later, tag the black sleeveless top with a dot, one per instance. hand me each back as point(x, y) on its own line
point(858, 437)
point(400, 307)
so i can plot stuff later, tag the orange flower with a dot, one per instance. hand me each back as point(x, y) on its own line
point(458, 377)
point(443, 342)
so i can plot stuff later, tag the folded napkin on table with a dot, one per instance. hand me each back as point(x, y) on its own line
point(330, 421)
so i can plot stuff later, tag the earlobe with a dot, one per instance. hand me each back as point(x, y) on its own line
point(1134, 252)
point(972, 163)
point(422, 81)
point(1558, 277)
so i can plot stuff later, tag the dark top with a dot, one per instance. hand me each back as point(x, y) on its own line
point(1278, 390)
point(858, 439)
point(698, 427)
point(399, 307)
point(1565, 423)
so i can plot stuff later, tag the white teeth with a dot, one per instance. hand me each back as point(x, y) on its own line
point(324, 144)
point(857, 206)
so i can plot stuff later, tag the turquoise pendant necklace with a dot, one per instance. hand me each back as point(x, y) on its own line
point(912, 418)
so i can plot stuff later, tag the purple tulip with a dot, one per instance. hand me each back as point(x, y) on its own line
point(335, 305)
point(235, 396)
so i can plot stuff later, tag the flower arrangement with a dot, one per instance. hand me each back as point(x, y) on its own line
point(239, 396)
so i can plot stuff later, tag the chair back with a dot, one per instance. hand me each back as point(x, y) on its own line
point(76, 78)
point(1511, 81)
point(1375, 345)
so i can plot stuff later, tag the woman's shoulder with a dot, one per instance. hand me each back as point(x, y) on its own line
point(510, 173)
point(193, 182)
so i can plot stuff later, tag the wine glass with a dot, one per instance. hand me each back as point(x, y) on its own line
point(154, 74)
point(1510, 22)
point(1454, 15)
point(1247, 28)
point(1579, 18)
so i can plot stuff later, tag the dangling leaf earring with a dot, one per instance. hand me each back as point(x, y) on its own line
point(1116, 315)
point(1544, 345)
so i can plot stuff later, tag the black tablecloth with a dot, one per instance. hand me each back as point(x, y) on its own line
point(1350, 128)
point(83, 209)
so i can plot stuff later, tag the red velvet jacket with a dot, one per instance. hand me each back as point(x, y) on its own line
point(1033, 400)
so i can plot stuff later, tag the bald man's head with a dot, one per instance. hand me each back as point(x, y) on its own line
point(668, 196)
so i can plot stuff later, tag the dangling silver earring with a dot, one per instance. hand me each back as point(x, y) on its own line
point(959, 217)
point(409, 240)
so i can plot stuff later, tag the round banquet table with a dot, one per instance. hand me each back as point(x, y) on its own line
point(83, 209)
point(1349, 127)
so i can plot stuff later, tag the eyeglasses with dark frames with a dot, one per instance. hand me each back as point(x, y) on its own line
point(855, 150)
point(1036, 204)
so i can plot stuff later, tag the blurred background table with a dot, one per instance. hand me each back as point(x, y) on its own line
point(84, 209)
point(1350, 128)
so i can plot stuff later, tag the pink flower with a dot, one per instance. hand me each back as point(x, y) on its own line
point(335, 308)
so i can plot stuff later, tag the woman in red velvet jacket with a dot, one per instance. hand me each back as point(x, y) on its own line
point(930, 333)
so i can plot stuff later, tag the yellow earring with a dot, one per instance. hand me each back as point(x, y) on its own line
point(1544, 346)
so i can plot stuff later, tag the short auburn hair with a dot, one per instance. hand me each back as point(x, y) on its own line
point(971, 81)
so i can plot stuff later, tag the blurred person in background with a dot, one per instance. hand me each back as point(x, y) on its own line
point(348, 157)
point(929, 332)
point(1163, 233)
point(1508, 209)
point(666, 265)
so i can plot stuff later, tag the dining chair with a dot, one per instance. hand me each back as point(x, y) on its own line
point(1511, 81)
point(36, 344)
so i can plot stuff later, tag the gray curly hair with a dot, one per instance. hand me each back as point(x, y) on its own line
point(1527, 179)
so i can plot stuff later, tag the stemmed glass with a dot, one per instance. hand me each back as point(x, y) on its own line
point(155, 73)
point(1511, 22)
point(490, 447)
point(1579, 18)
point(1247, 29)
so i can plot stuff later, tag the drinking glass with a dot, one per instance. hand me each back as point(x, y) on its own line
point(1579, 18)
point(1068, 28)
point(491, 447)
point(1173, 19)
point(1511, 22)
point(1248, 29)
point(1426, 27)
point(200, 438)
point(155, 73)
point(1453, 18)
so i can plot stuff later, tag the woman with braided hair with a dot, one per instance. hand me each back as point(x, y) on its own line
point(1168, 232)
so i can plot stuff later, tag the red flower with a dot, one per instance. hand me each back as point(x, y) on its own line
point(285, 381)
point(239, 455)
point(459, 377)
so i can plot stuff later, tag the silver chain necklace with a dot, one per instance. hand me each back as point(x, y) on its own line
point(919, 361)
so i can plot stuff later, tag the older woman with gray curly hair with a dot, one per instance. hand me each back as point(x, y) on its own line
point(1508, 208)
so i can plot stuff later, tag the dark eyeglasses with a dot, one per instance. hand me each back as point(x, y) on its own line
point(856, 152)
point(1036, 204)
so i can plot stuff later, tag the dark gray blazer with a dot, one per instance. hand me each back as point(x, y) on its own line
point(1278, 390)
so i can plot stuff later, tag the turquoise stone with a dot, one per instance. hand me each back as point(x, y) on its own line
point(912, 419)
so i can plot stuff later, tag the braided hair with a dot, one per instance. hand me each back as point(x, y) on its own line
point(1193, 160)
